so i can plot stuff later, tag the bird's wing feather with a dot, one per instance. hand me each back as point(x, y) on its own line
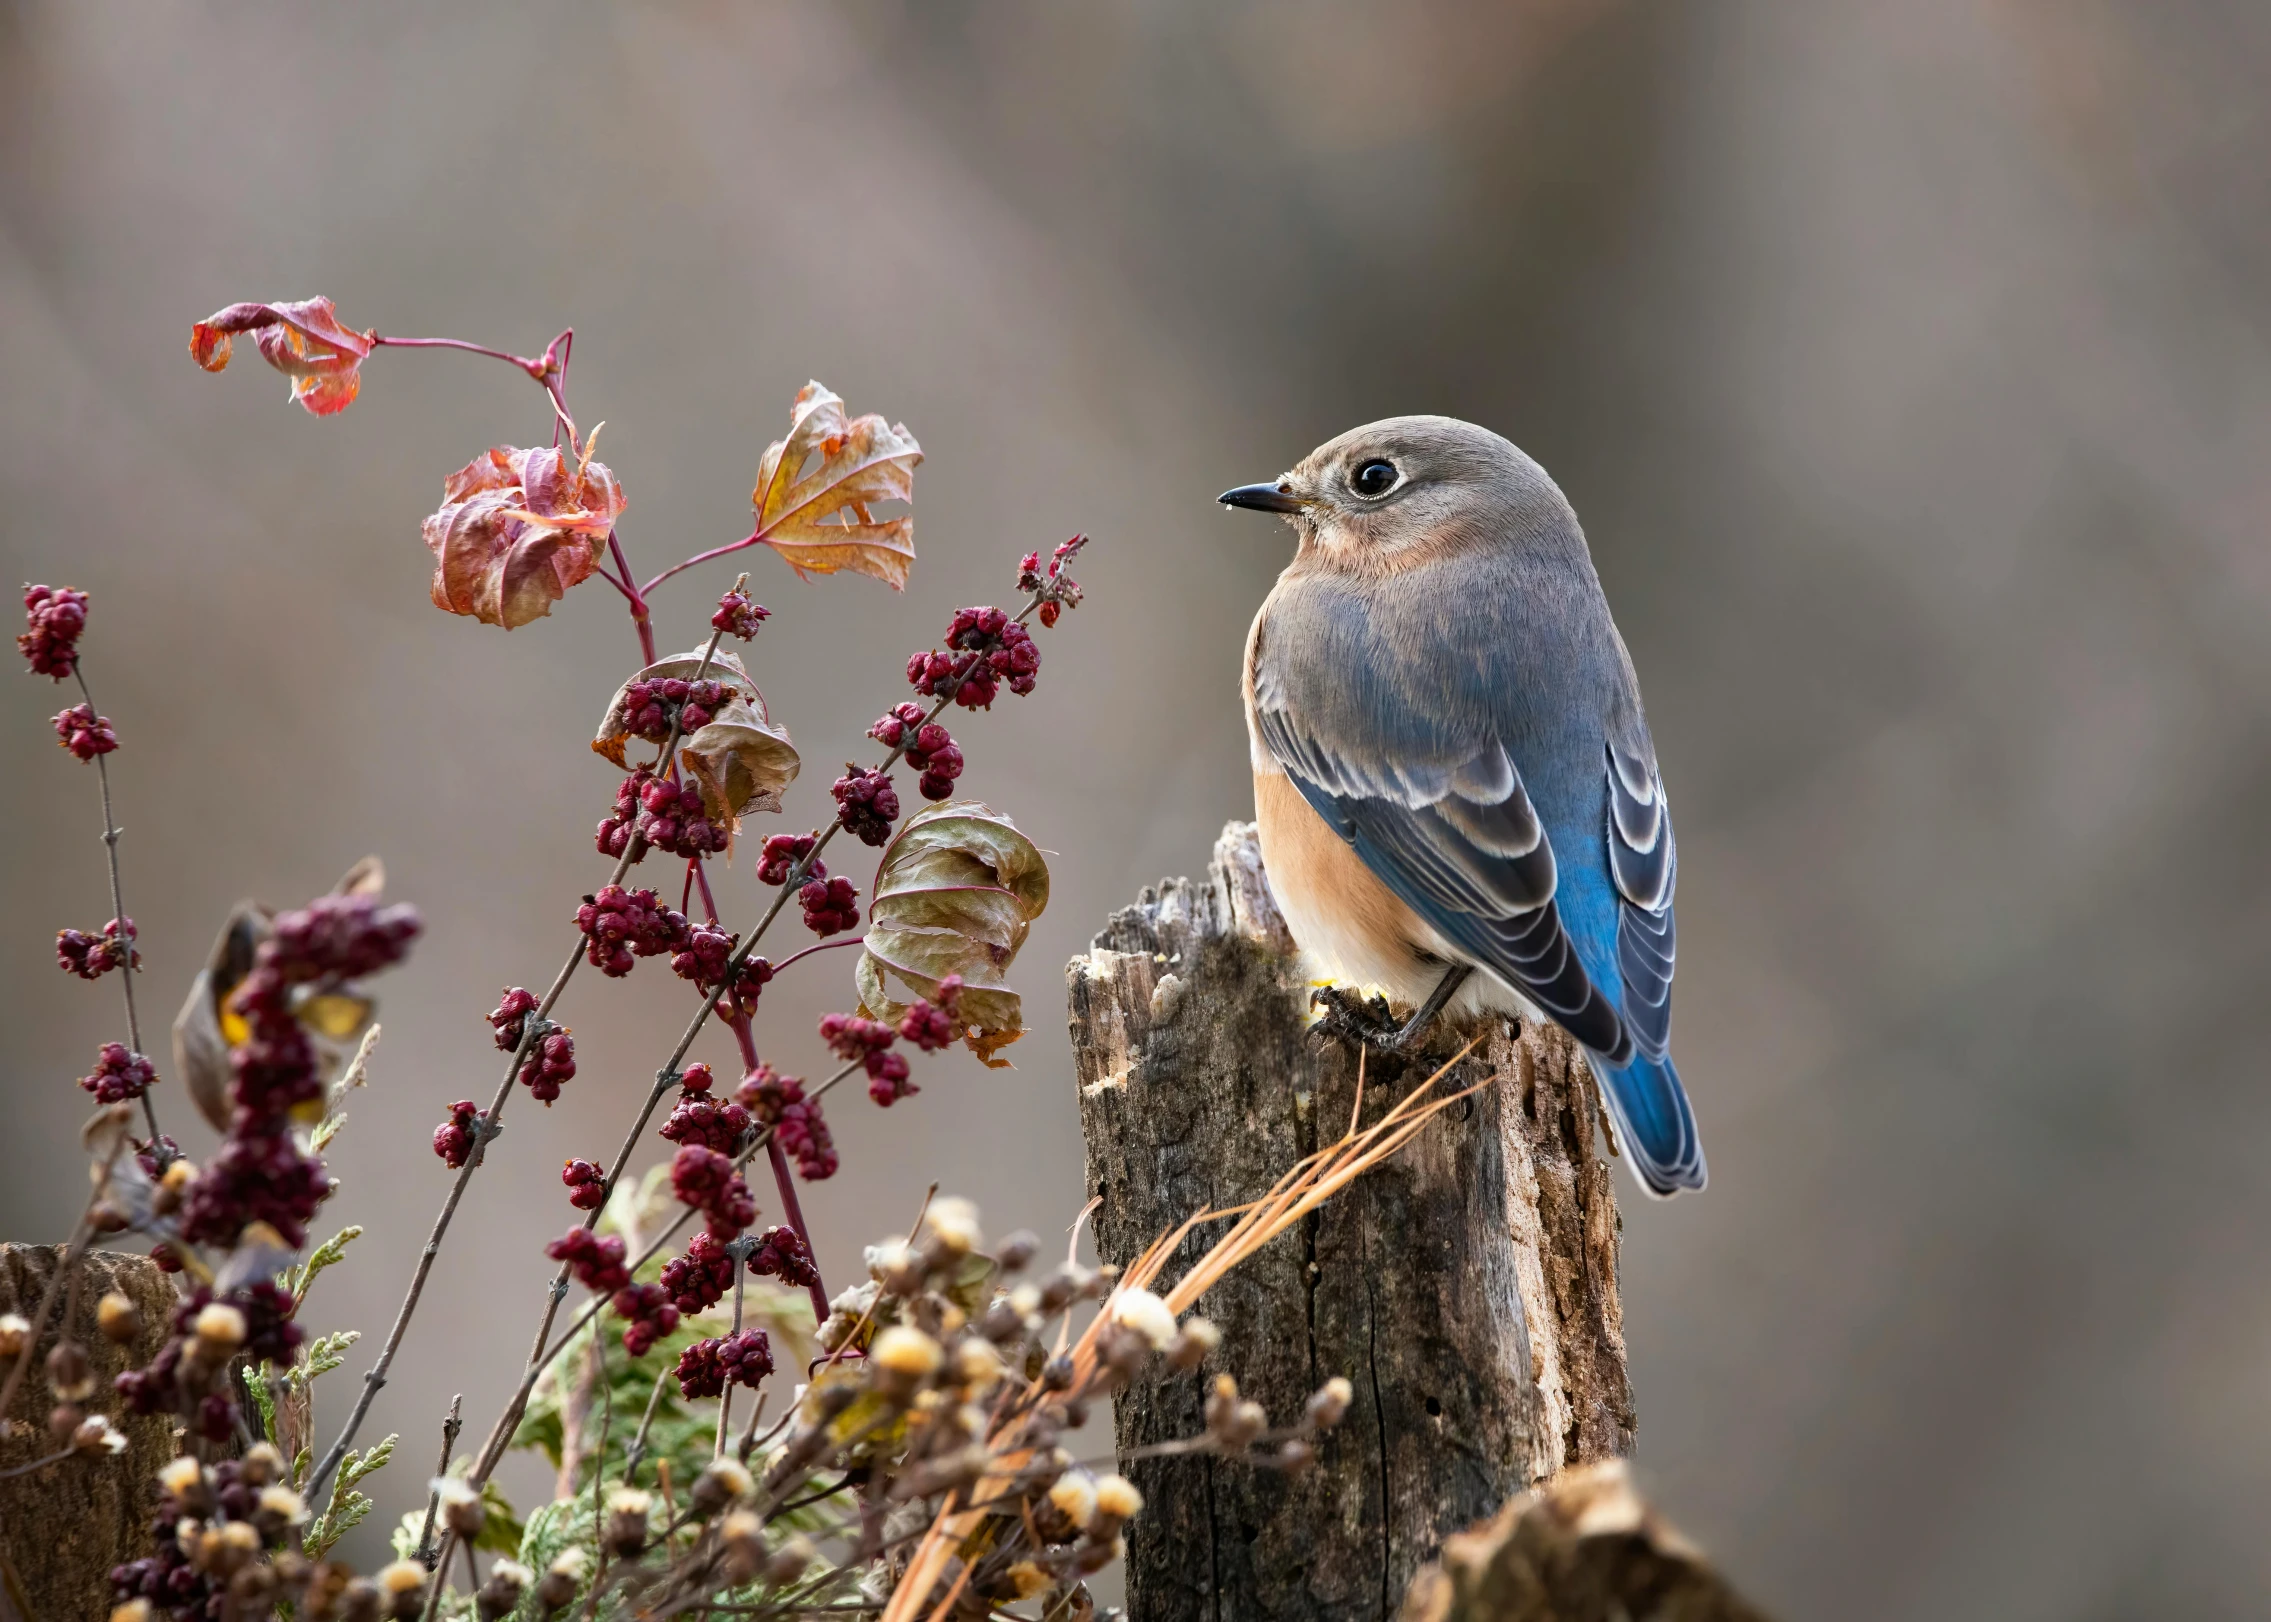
point(1644, 861)
point(1451, 831)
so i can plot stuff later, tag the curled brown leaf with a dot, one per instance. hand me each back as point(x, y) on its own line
point(957, 890)
point(819, 520)
point(302, 339)
point(516, 529)
point(741, 760)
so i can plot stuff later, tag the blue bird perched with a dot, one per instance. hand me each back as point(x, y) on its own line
point(1452, 773)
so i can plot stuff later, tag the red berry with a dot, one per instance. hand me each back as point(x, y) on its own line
point(831, 906)
point(738, 616)
point(866, 805)
point(90, 957)
point(594, 1260)
point(586, 1184)
point(120, 1076)
point(454, 1138)
point(54, 616)
point(777, 861)
point(83, 732)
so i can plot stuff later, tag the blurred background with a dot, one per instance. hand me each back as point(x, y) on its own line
point(1907, 365)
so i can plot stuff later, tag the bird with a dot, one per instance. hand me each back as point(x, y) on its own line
point(1456, 794)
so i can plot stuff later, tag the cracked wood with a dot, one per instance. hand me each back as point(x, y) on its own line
point(1468, 1288)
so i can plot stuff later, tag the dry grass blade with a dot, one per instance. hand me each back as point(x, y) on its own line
point(1307, 1185)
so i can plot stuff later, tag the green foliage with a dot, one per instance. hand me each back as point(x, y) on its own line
point(348, 1507)
point(501, 1529)
point(297, 1279)
point(323, 1354)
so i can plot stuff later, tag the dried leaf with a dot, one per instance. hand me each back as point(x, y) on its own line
point(819, 520)
point(741, 760)
point(957, 890)
point(516, 529)
point(303, 340)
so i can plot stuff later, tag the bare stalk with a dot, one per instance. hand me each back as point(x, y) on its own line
point(111, 831)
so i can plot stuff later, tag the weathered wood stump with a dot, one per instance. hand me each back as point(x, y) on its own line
point(64, 1525)
point(1468, 1288)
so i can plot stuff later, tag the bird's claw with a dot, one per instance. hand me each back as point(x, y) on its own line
point(1350, 1018)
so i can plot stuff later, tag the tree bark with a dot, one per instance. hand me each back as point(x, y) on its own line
point(64, 1525)
point(1467, 1288)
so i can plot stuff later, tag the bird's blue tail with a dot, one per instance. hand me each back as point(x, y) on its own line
point(1654, 1124)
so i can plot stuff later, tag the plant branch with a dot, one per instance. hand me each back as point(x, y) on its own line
point(451, 1425)
point(745, 542)
point(126, 970)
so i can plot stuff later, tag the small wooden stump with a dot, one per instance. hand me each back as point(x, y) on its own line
point(1467, 1289)
point(62, 1527)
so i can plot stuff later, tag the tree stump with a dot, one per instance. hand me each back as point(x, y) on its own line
point(1467, 1288)
point(63, 1526)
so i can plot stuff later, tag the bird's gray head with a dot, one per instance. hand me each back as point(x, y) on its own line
point(1397, 492)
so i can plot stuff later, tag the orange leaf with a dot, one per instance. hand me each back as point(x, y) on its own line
point(303, 340)
point(819, 520)
point(516, 529)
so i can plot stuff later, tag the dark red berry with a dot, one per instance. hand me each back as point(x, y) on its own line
point(696, 1079)
point(90, 957)
point(782, 852)
point(699, 1279)
point(866, 805)
point(831, 906)
point(586, 1184)
point(887, 1081)
point(454, 1138)
point(517, 1003)
point(782, 1255)
point(619, 925)
point(738, 616)
point(120, 1076)
point(83, 732)
point(651, 1312)
point(549, 1064)
point(778, 1101)
point(892, 729)
point(53, 616)
point(594, 1260)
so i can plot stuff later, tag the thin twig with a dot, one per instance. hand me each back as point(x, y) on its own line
point(126, 969)
point(638, 1450)
point(451, 1425)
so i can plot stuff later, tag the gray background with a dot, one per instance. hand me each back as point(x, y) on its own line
point(1906, 363)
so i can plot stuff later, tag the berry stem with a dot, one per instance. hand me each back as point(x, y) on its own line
point(790, 1205)
point(531, 1025)
point(746, 541)
point(126, 973)
point(816, 946)
point(640, 619)
point(534, 368)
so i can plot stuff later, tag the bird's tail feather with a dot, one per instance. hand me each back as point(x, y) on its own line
point(1654, 1123)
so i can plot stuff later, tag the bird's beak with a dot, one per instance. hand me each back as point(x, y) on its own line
point(1273, 497)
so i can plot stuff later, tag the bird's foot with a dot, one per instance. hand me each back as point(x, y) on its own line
point(1360, 1022)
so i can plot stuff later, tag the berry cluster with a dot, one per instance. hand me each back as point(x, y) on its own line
point(738, 616)
point(454, 1138)
point(90, 957)
point(83, 732)
point(549, 1064)
point(852, 1037)
point(260, 1173)
point(190, 1577)
point(929, 748)
point(932, 1027)
point(705, 1179)
point(699, 1279)
point(707, 1367)
point(831, 906)
point(647, 708)
point(703, 958)
point(595, 1260)
point(780, 855)
point(619, 925)
point(53, 616)
point(208, 1331)
point(651, 1316)
point(121, 1075)
point(866, 805)
point(1057, 590)
point(800, 1129)
point(613, 837)
point(782, 1254)
point(672, 820)
point(699, 1118)
point(1005, 652)
point(586, 1183)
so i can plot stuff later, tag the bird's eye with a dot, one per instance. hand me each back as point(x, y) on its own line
point(1373, 478)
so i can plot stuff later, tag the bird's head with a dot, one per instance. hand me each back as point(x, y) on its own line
point(1394, 493)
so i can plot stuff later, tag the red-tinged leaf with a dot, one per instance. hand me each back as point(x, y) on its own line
point(819, 520)
point(516, 529)
point(302, 339)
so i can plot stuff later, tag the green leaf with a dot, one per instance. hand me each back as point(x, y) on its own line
point(325, 1131)
point(323, 1354)
point(355, 1466)
point(264, 1399)
point(347, 1508)
point(300, 1466)
point(297, 1279)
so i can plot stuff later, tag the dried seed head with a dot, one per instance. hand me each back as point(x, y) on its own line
point(977, 1366)
point(1057, 1291)
point(134, 1610)
point(1146, 1315)
point(119, 1319)
point(721, 1482)
point(896, 1266)
point(561, 1579)
point(220, 1328)
point(184, 1477)
point(500, 1595)
point(1026, 1299)
point(1296, 1456)
point(360, 1601)
point(402, 1589)
point(222, 1549)
point(279, 1507)
point(1117, 1498)
point(1192, 1346)
point(460, 1504)
point(97, 1435)
point(790, 1559)
point(952, 1225)
point(741, 1535)
point(1003, 1322)
point(69, 1375)
point(1074, 1497)
point(260, 1465)
point(177, 1176)
point(15, 1334)
point(63, 1420)
point(1016, 1253)
point(1057, 1373)
point(627, 1512)
point(1025, 1579)
point(1329, 1403)
point(906, 1357)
